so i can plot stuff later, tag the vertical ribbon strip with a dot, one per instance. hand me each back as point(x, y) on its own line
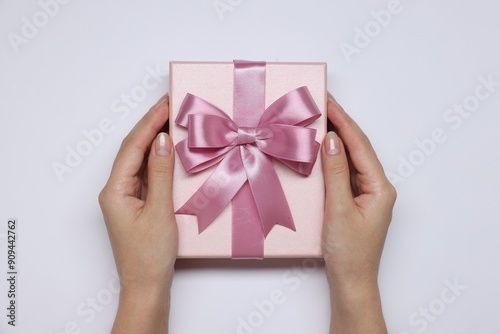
point(249, 95)
point(242, 149)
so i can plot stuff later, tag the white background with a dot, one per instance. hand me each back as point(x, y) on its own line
point(64, 77)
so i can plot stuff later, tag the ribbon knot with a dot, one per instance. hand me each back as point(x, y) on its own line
point(250, 180)
point(246, 135)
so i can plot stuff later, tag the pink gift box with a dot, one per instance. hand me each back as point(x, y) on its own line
point(213, 81)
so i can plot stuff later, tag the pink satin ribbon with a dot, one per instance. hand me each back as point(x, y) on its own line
point(242, 148)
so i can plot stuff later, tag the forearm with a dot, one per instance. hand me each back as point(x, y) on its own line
point(143, 311)
point(355, 308)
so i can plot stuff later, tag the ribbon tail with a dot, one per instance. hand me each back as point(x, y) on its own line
point(248, 236)
point(217, 191)
point(269, 197)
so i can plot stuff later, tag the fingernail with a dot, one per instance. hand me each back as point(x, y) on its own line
point(332, 99)
point(162, 100)
point(164, 97)
point(163, 145)
point(332, 143)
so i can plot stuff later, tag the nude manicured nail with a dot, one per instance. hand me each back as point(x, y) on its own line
point(163, 146)
point(162, 100)
point(330, 97)
point(332, 143)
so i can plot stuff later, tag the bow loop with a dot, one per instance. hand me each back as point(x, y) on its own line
point(196, 105)
point(288, 142)
point(296, 107)
point(210, 131)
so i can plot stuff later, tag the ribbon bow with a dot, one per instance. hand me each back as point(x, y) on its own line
point(245, 173)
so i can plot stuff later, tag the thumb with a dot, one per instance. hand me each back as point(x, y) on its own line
point(160, 174)
point(336, 174)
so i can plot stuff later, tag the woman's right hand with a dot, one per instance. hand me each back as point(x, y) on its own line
point(358, 211)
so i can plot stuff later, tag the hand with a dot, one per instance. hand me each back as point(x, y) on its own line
point(358, 211)
point(137, 207)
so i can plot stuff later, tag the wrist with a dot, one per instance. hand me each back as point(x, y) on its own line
point(356, 298)
point(145, 292)
point(143, 309)
point(351, 284)
point(355, 305)
point(135, 281)
point(351, 277)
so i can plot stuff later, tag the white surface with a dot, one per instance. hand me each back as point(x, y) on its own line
point(428, 58)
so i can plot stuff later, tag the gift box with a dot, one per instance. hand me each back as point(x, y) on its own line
point(248, 181)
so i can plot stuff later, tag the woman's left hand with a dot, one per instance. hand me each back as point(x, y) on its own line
point(138, 210)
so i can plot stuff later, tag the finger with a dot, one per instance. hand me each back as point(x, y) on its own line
point(160, 175)
point(133, 150)
point(336, 173)
point(370, 172)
